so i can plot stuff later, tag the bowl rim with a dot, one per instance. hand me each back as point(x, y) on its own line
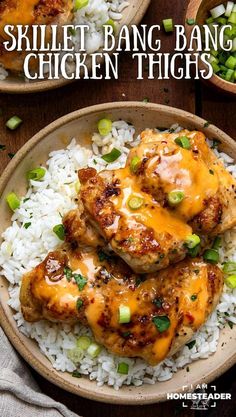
point(46, 85)
point(14, 334)
point(215, 80)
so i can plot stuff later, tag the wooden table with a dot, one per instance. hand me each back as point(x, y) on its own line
point(38, 110)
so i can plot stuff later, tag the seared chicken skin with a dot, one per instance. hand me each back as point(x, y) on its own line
point(164, 312)
point(30, 12)
point(131, 207)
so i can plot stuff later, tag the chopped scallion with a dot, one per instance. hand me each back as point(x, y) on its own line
point(192, 241)
point(80, 4)
point(229, 268)
point(80, 281)
point(36, 174)
point(168, 25)
point(135, 163)
point(104, 127)
point(112, 156)
point(135, 203)
point(13, 201)
point(94, 349)
point(124, 314)
point(231, 281)
point(162, 323)
point(184, 142)
point(83, 342)
point(59, 230)
point(175, 197)
point(13, 123)
point(211, 256)
point(123, 368)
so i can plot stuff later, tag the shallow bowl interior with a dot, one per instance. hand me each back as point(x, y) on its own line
point(199, 11)
point(132, 15)
point(80, 125)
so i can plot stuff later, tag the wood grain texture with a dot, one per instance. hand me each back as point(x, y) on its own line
point(40, 109)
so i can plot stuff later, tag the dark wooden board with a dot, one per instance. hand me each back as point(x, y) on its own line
point(38, 110)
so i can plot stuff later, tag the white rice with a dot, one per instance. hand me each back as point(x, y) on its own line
point(95, 15)
point(22, 249)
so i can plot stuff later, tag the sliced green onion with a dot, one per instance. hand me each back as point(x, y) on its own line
point(211, 255)
point(83, 342)
point(135, 203)
point(175, 197)
point(27, 225)
point(79, 4)
point(209, 20)
point(123, 368)
point(231, 281)
point(217, 243)
point(232, 18)
point(229, 8)
point(77, 186)
point(76, 374)
point(194, 252)
point(221, 20)
point(94, 349)
point(68, 273)
point(80, 281)
point(191, 344)
point(229, 76)
point(36, 174)
point(14, 122)
point(124, 314)
point(168, 25)
point(192, 241)
point(193, 297)
point(13, 201)
point(79, 303)
point(184, 142)
point(112, 156)
point(190, 22)
point(218, 11)
point(162, 323)
point(112, 23)
point(59, 230)
point(231, 62)
point(75, 355)
point(229, 268)
point(135, 163)
point(104, 127)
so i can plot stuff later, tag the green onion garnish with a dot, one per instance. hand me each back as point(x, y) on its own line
point(80, 281)
point(184, 142)
point(59, 230)
point(27, 225)
point(158, 302)
point(79, 303)
point(13, 123)
point(217, 243)
point(194, 252)
point(162, 323)
point(211, 256)
point(191, 344)
point(193, 297)
point(76, 374)
point(68, 273)
point(83, 342)
point(94, 349)
point(231, 281)
point(36, 174)
point(112, 156)
point(218, 11)
point(79, 4)
point(104, 126)
point(229, 268)
point(13, 201)
point(168, 25)
point(175, 197)
point(192, 241)
point(75, 355)
point(124, 314)
point(123, 368)
point(110, 22)
point(135, 163)
point(190, 22)
point(135, 203)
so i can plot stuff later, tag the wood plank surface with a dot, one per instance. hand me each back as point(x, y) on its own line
point(38, 110)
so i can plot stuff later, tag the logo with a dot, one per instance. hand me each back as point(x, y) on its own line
point(201, 397)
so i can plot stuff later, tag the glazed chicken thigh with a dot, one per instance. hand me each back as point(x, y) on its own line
point(30, 12)
point(87, 286)
point(132, 207)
